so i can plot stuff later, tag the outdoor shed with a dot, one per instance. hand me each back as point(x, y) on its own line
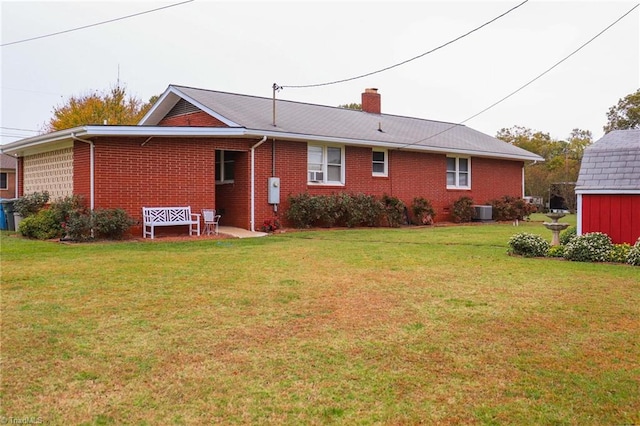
point(608, 187)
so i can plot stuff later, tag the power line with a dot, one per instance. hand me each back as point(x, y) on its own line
point(15, 128)
point(408, 60)
point(96, 24)
point(529, 82)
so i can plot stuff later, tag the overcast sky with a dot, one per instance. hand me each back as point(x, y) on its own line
point(245, 47)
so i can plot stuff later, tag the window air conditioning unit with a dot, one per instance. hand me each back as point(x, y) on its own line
point(482, 213)
point(316, 176)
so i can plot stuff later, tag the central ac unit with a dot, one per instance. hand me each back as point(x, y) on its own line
point(482, 213)
point(316, 176)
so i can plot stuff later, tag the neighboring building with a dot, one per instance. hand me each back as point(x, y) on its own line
point(608, 187)
point(211, 149)
point(8, 176)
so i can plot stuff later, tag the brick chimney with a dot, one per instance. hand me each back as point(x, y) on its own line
point(371, 101)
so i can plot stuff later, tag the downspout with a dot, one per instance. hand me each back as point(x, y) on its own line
point(91, 168)
point(253, 181)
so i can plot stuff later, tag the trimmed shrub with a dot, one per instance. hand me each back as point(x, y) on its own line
point(30, 204)
point(43, 225)
point(341, 209)
point(511, 208)
point(567, 235)
point(633, 258)
point(462, 210)
point(111, 223)
point(555, 251)
point(423, 211)
point(619, 253)
point(528, 245)
point(394, 210)
point(591, 247)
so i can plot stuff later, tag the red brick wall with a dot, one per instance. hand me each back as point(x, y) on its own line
point(181, 171)
point(20, 176)
point(164, 172)
point(10, 192)
point(195, 119)
point(411, 174)
point(82, 170)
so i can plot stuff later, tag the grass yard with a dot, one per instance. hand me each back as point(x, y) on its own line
point(434, 325)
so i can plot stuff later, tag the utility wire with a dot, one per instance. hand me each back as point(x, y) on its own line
point(528, 83)
point(94, 25)
point(15, 128)
point(408, 60)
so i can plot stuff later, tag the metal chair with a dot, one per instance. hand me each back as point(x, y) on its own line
point(211, 220)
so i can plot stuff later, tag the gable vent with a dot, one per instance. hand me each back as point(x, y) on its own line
point(181, 108)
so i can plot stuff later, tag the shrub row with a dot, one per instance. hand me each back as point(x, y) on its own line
point(69, 218)
point(503, 209)
point(591, 247)
point(351, 210)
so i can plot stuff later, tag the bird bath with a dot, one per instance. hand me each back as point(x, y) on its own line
point(555, 227)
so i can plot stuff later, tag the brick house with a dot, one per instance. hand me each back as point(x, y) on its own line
point(608, 187)
point(7, 176)
point(211, 149)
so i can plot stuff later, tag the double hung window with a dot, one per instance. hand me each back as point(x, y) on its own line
point(379, 164)
point(325, 164)
point(458, 173)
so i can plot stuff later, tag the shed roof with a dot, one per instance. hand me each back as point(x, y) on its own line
point(611, 164)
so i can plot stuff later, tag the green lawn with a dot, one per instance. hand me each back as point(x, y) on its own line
point(371, 326)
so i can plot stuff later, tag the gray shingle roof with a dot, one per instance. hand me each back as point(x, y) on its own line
point(256, 113)
point(612, 163)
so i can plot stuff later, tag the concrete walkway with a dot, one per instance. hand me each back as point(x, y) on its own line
point(239, 232)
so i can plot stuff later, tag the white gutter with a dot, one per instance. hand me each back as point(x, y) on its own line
point(91, 168)
point(253, 182)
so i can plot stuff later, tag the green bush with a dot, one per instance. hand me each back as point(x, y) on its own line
point(111, 223)
point(591, 247)
point(568, 234)
point(30, 204)
point(511, 208)
point(342, 209)
point(633, 258)
point(423, 211)
point(528, 245)
point(462, 210)
point(619, 253)
point(555, 251)
point(78, 226)
point(394, 210)
point(43, 225)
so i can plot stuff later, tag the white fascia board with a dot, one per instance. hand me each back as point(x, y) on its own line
point(52, 140)
point(388, 145)
point(160, 106)
point(608, 191)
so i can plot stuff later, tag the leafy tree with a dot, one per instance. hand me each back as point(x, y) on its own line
point(624, 115)
point(112, 107)
point(562, 159)
point(351, 106)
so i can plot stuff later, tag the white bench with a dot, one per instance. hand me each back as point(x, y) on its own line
point(169, 216)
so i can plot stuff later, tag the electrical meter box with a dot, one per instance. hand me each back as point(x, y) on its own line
point(274, 190)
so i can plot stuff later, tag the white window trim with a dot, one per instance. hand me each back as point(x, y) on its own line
point(457, 185)
point(222, 182)
point(325, 163)
point(386, 162)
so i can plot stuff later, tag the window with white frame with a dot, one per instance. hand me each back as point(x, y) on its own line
point(225, 166)
point(325, 164)
point(458, 172)
point(379, 164)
